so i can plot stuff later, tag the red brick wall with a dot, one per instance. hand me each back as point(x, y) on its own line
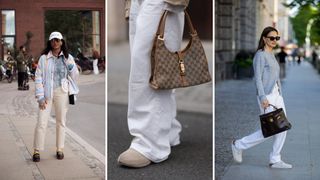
point(29, 15)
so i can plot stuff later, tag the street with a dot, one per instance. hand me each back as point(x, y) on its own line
point(85, 136)
point(236, 115)
point(89, 123)
point(192, 159)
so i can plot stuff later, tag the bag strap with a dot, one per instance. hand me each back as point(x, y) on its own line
point(161, 27)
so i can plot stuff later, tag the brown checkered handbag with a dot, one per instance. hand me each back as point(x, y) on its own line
point(185, 68)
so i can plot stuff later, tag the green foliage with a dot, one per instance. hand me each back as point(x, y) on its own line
point(243, 59)
point(308, 9)
point(243, 63)
point(75, 26)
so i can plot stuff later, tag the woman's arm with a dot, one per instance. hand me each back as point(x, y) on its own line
point(258, 65)
point(72, 67)
point(39, 78)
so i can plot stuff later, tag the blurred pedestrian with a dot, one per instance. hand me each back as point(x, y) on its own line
point(11, 67)
point(53, 67)
point(282, 61)
point(267, 81)
point(300, 55)
point(151, 113)
point(22, 63)
point(299, 59)
point(314, 57)
point(8, 57)
point(294, 55)
point(34, 65)
point(96, 57)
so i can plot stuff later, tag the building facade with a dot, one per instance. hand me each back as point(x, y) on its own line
point(235, 30)
point(238, 26)
point(30, 17)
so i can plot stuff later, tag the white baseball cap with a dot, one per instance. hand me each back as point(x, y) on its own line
point(55, 34)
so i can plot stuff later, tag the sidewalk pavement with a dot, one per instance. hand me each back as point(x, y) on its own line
point(18, 116)
point(192, 99)
point(190, 160)
point(301, 91)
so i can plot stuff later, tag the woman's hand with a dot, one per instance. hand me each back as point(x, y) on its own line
point(265, 103)
point(42, 104)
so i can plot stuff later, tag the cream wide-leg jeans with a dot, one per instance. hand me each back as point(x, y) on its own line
point(151, 113)
point(256, 138)
point(60, 100)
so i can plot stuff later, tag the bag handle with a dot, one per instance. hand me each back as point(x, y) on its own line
point(264, 109)
point(160, 31)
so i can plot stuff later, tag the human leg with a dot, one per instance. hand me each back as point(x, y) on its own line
point(41, 126)
point(60, 101)
point(151, 113)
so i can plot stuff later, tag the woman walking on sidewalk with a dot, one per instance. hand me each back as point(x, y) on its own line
point(151, 114)
point(54, 65)
point(266, 73)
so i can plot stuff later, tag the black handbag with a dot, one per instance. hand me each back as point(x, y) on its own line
point(274, 122)
point(71, 99)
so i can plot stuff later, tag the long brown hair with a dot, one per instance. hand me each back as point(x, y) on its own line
point(265, 33)
point(95, 54)
point(64, 49)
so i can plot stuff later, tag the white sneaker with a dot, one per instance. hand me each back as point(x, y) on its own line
point(280, 165)
point(237, 153)
point(132, 158)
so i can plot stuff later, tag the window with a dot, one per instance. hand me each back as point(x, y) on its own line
point(80, 29)
point(8, 32)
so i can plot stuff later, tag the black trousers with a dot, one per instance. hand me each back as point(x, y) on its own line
point(21, 78)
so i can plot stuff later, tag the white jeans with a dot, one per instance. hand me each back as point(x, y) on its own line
point(256, 138)
point(151, 113)
point(61, 102)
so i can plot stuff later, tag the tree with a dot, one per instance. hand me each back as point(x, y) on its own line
point(308, 9)
point(300, 22)
point(74, 26)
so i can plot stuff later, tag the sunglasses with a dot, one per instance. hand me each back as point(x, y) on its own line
point(272, 38)
point(55, 40)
